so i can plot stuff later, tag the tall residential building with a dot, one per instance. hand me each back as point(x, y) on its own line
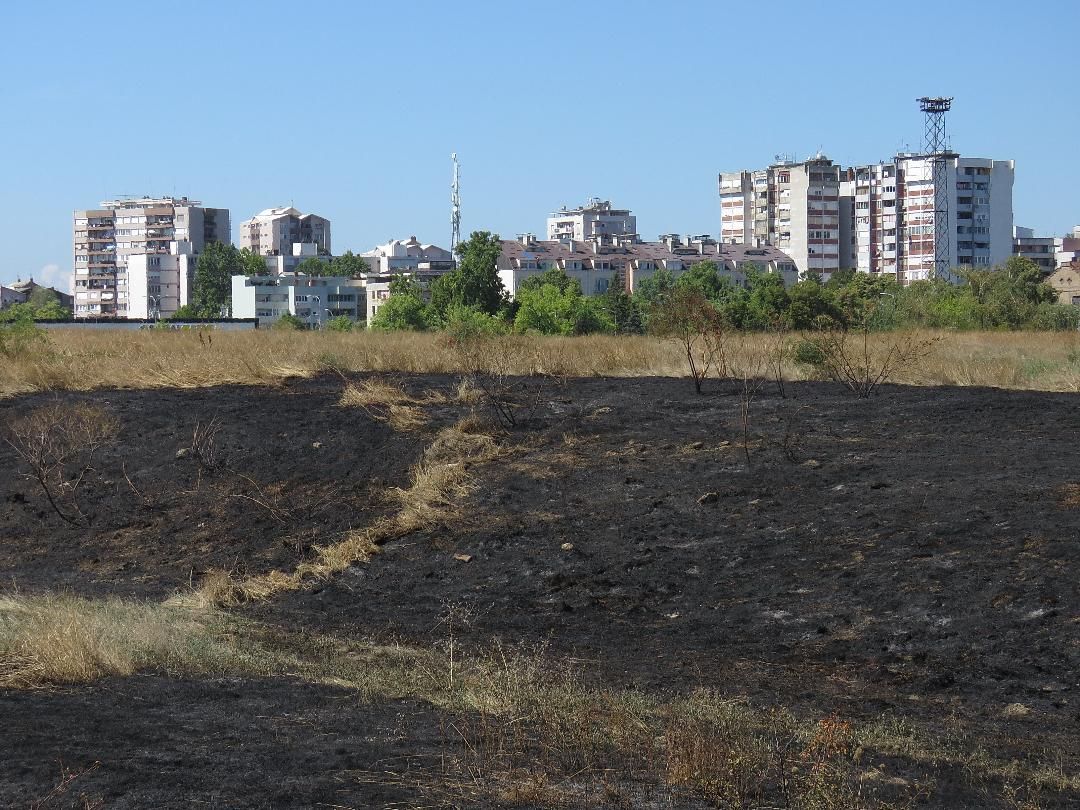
point(791, 206)
point(132, 256)
point(595, 218)
point(891, 218)
point(273, 232)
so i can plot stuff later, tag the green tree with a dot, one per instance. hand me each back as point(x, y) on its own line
point(214, 269)
point(52, 311)
point(476, 280)
point(340, 323)
point(187, 312)
point(705, 278)
point(253, 264)
point(288, 322)
point(312, 267)
point(404, 310)
point(767, 304)
point(348, 264)
point(650, 291)
point(42, 297)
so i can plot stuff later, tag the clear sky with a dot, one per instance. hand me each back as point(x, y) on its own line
point(350, 109)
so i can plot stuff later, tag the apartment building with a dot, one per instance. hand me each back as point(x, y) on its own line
point(877, 218)
point(603, 261)
point(107, 238)
point(1040, 249)
point(792, 206)
point(312, 299)
point(595, 218)
point(980, 192)
point(274, 231)
point(403, 257)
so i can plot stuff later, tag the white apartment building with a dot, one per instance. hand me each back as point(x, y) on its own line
point(980, 223)
point(595, 218)
point(312, 299)
point(601, 262)
point(789, 205)
point(108, 239)
point(403, 257)
point(274, 231)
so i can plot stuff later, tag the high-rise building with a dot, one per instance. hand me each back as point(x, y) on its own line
point(132, 256)
point(877, 218)
point(893, 219)
point(273, 232)
point(791, 206)
point(595, 218)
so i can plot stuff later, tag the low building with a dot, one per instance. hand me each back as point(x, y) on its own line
point(402, 257)
point(600, 262)
point(1039, 249)
point(312, 299)
point(1066, 283)
point(20, 292)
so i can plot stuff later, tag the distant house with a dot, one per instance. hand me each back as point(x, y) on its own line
point(20, 292)
point(1066, 282)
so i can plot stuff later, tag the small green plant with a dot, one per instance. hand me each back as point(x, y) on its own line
point(289, 323)
point(20, 337)
point(342, 323)
point(808, 353)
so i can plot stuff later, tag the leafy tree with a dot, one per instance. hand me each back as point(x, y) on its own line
point(404, 310)
point(312, 267)
point(768, 301)
point(214, 269)
point(468, 322)
point(808, 301)
point(253, 264)
point(476, 280)
point(185, 313)
point(42, 297)
point(52, 311)
point(348, 264)
point(705, 278)
point(553, 275)
point(558, 308)
point(623, 310)
point(651, 290)
point(340, 323)
point(288, 322)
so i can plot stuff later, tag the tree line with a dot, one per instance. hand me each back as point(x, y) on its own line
point(472, 299)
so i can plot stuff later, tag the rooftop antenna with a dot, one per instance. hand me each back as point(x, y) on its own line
point(937, 151)
point(455, 205)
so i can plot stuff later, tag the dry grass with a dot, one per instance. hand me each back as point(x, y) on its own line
point(82, 360)
point(389, 403)
point(1069, 496)
point(517, 724)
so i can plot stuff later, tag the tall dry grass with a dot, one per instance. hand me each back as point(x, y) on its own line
point(75, 359)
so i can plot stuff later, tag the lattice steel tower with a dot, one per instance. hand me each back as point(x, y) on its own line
point(937, 152)
point(455, 205)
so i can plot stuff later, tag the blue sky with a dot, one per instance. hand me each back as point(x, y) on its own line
point(351, 109)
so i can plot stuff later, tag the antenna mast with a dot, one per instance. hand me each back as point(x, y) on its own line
point(455, 205)
point(937, 151)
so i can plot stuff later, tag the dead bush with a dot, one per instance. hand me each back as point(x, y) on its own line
point(860, 360)
point(57, 443)
point(689, 319)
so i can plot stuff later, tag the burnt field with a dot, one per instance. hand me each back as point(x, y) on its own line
point(890, 582)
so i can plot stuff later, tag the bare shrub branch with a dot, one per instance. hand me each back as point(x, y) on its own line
point(57, 443)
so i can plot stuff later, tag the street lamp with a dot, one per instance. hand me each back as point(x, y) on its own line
point(153, 307)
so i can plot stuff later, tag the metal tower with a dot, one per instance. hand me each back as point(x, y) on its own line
point(455, 205)
point(937, 152)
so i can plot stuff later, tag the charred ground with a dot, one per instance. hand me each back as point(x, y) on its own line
point(911, 555)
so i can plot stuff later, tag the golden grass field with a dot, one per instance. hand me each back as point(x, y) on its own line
point(75, 359)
